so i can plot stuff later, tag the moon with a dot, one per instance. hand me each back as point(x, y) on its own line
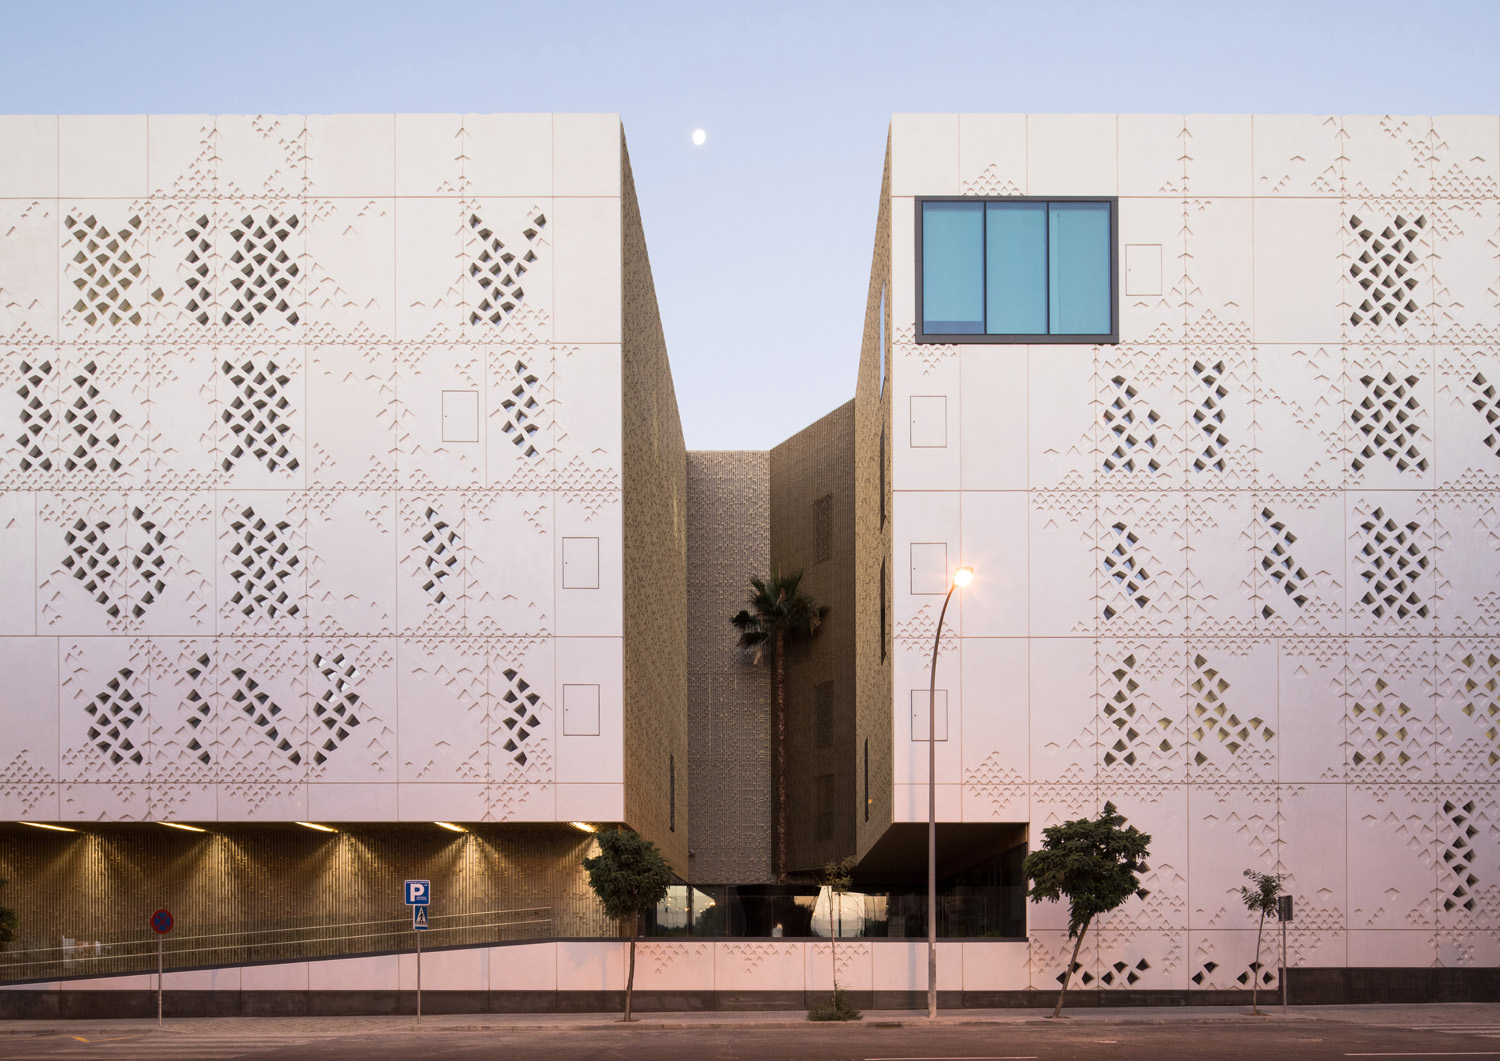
point(699, 136)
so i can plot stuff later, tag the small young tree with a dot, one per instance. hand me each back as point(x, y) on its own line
point(838, 878)
point(1260, 897)
point(8, 922)
point(1095, 864)
point(630, 876)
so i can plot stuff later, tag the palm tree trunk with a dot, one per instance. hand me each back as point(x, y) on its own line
point(635, 923)
point(1068, 972)
point(779, 856)
point(1255, 968)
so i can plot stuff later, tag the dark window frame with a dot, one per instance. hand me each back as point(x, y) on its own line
point(957, 338)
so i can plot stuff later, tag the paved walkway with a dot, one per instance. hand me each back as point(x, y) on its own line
point(1476, 1016)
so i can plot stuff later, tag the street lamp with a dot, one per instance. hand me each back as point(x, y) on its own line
point(962, 577)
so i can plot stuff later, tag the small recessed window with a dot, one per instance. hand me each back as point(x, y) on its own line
point(1016, 270)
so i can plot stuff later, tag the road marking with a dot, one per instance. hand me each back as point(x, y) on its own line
point(1435, 1053)
point(984, 1057)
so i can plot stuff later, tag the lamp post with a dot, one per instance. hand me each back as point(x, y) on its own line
point(961, 577)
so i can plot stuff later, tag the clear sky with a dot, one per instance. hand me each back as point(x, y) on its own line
point(760, 239)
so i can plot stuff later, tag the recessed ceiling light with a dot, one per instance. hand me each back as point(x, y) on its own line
point(451, 827)
point(184, 828)
point(44, 825)
point(315, 825)
point(585, 826)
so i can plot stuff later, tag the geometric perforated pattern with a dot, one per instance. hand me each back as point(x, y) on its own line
point(261, 272)
point(1125, 971)
point(334, 711)
point(1384, 268)
point(199, 262)
point(1278, 564)
point(1121, 566)
point(520, 412)
point(1381, 733)
point(520, 709)
point(1387, 417)
point(1209, 416)
point(105, 271)
point(1393, 561)
point(498, 269)
point(198, 708)
point(1212, 716)
point(257, 413)
point(1133, 425)
point(1129, 711)
point(148, 562)
point(36, 416)
point(1458, 854)
point(440, 554)
point(1487, 405)
point(112, 713)
point(263, 712)
point(1482, 698)
point(92, 561)
point(263, 562)
point(90, 426)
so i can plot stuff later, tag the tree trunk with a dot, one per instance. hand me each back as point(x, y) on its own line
point(833, 944)
point(1068, 972)
point(779, 855)
point(635, 923)
point(1255, 968)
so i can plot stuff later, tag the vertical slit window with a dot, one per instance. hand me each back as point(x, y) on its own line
point(671, 792)
point(867, 779)
point(1078, 268)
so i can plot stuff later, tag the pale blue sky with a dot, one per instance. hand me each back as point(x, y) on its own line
point(760, 240)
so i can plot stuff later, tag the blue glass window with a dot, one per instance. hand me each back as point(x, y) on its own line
point(1022, 270)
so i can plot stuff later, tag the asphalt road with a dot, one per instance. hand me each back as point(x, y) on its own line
point(1251, 1039)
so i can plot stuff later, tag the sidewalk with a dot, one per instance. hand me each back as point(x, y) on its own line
point(1416, 1016)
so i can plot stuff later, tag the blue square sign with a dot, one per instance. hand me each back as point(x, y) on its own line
point(418, 893)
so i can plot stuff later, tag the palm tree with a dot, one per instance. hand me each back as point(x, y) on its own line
point(778, 615)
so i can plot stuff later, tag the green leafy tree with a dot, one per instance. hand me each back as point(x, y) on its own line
point(630, 876)
point(1093, 863)
point(1260, 897)
point(779, 615)
point(838, 878)
point(8, 923)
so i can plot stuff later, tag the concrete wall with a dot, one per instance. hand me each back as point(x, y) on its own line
point(729, 750)
point(1284, 434)
point(290, 440)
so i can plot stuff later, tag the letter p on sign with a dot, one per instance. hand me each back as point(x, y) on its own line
point(418, 893)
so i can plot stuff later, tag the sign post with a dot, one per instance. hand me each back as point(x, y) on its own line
point(161, 924)
point(1283, 914)
point(418, 896)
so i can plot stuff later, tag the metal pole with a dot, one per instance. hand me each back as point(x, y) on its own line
point(1283, 967)
point(158, 979)
point(419, 974)
point(932, 813)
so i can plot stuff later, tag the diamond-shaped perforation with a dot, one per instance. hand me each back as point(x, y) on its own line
point(1487, 405)
point(1385, 268)
point(199, 260)
point(335, 709)
point(198, 708)
point(1393, 562)
point(1458, 854)
point(441, 545)
point(1125, 972)
point(91, 560)
point(521, 411)
point(519, 713)
point(1123, 568)
point(261, 272)
point(1208, 417)
point(1130, 711)
point(1207, 690)
point(1481, 688)
point(112, 714)
point(1133, 424)
point(1280, 566)
point(256, 705)
point(258, 414)
point(263, 562)
point(148, 559)
point(105, 270)
point(498, 268)
point(36, 416)
point(90, 425)
point(1387, 416)
point(1382, 730)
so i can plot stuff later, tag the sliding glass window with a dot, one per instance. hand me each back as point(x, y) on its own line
point(1016, 270)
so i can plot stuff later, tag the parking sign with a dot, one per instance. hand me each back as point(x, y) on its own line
point(418, 893)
